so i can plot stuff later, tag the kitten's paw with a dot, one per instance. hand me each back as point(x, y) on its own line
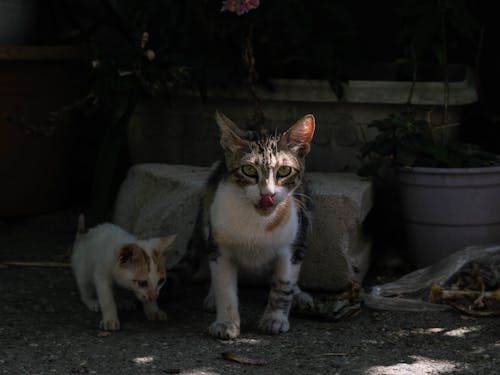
point(92, 304)
point(110, 325)
point(224, 330)
point(303, 301)
point(274, 323)
point(157, 315)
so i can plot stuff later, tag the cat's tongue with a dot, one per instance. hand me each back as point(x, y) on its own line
point(266, 201)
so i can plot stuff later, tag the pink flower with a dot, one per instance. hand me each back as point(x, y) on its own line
point(239, 6)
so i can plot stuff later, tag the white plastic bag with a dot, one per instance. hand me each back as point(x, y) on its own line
point(409, 293)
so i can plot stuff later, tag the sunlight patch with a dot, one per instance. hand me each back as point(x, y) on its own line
point(422, 365)
point(428, 331)
point(143, 360)
point(201, 371)
point(461, 332)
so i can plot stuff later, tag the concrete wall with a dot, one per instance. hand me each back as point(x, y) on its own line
point(186, 132)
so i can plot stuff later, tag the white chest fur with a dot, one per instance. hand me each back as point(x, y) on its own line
point(250, 238)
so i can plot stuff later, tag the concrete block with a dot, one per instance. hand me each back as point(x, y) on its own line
point(339, 250)
point(162, 199)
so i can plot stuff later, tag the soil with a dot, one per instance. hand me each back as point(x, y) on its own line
point(45, 329)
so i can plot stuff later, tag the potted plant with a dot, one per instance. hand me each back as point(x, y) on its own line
point(449, 190)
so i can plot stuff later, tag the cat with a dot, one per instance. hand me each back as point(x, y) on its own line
point(255, 216)
point(107, 255)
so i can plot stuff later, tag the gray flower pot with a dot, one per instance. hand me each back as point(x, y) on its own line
point(446, 210)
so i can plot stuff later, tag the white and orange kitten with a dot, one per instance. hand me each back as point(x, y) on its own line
point(106, 256)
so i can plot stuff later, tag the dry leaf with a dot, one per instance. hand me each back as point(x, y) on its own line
point(243, 360)
point(104, 334)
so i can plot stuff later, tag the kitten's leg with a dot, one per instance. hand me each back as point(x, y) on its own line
point(109, 320)
point(275, 317)
point(224, 287)
point(87, 292)
point(152, 311)
point(88, 298)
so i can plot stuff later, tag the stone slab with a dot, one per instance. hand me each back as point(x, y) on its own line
point(163, 199)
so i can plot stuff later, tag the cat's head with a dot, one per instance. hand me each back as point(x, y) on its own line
point(267, 167)
point(142, 266)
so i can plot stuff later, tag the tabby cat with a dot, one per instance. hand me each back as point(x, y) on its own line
point(106, 256)
point(255, 216)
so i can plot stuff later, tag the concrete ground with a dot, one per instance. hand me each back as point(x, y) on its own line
point(45, 329)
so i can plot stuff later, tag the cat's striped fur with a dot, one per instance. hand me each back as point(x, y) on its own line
point(255, 216)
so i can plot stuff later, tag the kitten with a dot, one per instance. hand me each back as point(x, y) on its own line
point(108, 255)
point(255, 216)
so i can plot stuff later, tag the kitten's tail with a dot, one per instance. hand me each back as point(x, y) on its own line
point(80, 229)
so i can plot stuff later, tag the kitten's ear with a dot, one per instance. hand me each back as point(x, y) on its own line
point(130, 256)
point(162, 244)
point(231, 135)
point(298, 137)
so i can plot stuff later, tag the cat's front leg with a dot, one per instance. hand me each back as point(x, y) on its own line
point(107, 303)
point(224, 287)
point(152, 311)
point(275, 317)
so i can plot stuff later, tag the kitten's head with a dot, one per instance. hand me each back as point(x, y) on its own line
point(142, 266)
point(267, 167)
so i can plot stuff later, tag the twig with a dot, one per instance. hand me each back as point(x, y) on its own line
point(37, 264)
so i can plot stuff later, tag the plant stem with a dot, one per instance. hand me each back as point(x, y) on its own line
point(414, 74)
point(445, 67)
point(249, 60)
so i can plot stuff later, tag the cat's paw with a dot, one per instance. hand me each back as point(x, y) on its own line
point(303, 301)
point(92, 304)
point(110, 325)
point(274, 323)
point(224, 330)
point(157, 315)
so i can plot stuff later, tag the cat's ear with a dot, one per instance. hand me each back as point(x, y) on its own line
point(298, 138)
point(162, 244)
point(131, 256)
point(231, 135)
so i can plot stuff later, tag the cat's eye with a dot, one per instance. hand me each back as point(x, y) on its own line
point(142, 283)
point(283, 171)
point(161, 281)
point(249, 170)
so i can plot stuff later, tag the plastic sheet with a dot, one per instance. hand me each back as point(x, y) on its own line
point(410, 292)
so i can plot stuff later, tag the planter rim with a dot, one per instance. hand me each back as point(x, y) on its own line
point(449, 171)
point(359, 92)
